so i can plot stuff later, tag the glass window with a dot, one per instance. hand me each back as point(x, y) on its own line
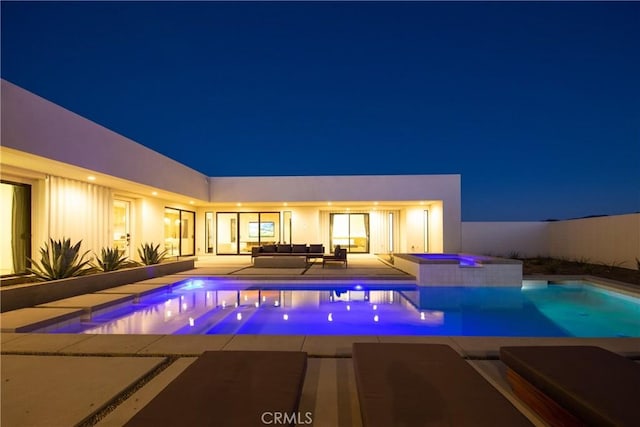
point(208, 232)
point(239, 232)
point(179, 232)
point(15, 227)
point(350, 231)
point(227, 233)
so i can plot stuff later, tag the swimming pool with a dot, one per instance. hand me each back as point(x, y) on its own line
point(209, 306)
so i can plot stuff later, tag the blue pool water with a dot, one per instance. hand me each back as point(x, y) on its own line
point(200, 306)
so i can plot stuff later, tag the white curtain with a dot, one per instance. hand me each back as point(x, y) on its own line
point(378, 229)
point(79, 211)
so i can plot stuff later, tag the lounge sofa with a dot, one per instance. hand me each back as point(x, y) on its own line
point(229, 388)
point(426, 384)
point(575, 385)
point(309, 251)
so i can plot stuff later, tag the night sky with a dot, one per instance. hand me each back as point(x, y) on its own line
point(536, 105)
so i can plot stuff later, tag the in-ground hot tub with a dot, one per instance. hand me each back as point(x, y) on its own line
point(460, 269)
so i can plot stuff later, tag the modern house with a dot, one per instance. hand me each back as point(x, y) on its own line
point(65, 176)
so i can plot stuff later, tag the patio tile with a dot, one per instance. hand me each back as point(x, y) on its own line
point(266, 342)
point(186, 344)
point(112, 344)
point(35, 388)
point(332, 345)
point(5, 337)
point(164, 280)
point(43, 343)
point(421, 340)
point(136, 289)
point(330, 394)
point(127, 409)
point(90, 303)
point(29, 319)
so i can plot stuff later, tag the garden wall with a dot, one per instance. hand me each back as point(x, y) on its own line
point(607, 239)
point(528, 239)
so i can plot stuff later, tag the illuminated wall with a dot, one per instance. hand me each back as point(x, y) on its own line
point(79, 211)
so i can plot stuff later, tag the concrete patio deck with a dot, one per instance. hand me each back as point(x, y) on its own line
point(79, 379)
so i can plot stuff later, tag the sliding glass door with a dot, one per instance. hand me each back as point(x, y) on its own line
point(179, 232)
point(350, 231)
point(239, 232)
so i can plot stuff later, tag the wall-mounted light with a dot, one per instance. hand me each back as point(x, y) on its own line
point(154, 193)
point(91, 178)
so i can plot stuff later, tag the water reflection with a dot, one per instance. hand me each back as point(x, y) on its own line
point(206, 307)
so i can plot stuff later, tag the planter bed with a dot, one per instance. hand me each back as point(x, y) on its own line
point(32, 294)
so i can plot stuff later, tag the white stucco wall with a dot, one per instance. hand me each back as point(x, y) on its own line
point(529, 239)
point(608, 239)
point(444, 188)
point(34, 125)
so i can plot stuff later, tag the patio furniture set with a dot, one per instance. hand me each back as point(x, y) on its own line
point(294, 255)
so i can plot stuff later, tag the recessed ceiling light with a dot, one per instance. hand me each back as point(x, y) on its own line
point(285, 204)
point(238, 204)
point(91, 178)
point(154, 193)
point(375, 203)
point(329, 203)
point(191, 202)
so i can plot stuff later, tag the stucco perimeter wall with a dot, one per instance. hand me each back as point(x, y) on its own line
point(528, 239)
point(608, 239)
point(350, 188)
point(34, 125)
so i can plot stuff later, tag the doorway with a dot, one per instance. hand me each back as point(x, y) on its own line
point(350, 231)
point(122, 226)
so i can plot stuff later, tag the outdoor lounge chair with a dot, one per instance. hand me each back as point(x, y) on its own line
point(339, 255)
point(425, 384)
point(228, 388)
point(575, 385)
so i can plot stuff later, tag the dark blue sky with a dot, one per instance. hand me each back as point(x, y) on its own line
point(536, 105)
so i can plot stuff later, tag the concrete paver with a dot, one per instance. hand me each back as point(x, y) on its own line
point(333, 346)
point(329, 394)
point(186, 344)
point(112, 344)
point(266, 342)
point(421, 340)
point(43, 343)
point(64, 390)
point(90, 303)
point(127, 409)
point(30, 319)
point(136, 289)
point(5, 337)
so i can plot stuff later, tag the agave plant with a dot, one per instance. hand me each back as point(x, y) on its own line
point(59, 259)
point(150, 254)
point(111, 259)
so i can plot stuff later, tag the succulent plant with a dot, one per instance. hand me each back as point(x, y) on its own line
point(150, 254)
point(60, 259)
point(111, 259)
